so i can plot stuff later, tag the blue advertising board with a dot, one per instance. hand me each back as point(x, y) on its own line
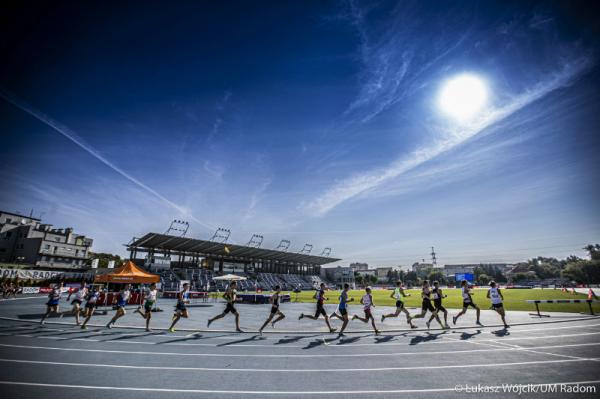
point(464, 276)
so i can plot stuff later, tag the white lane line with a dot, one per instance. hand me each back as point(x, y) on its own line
point(250, 370)
point(513, 348)
point(279, 393)
point(24, 297)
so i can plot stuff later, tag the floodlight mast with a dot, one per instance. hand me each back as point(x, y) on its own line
point(179, 227)
point(306, 249)
point(326, 252)
point(255, 241)
point(221, 235)
point(283, 246)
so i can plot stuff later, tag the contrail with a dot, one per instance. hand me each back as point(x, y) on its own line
point(359, 183)
point(71, 135)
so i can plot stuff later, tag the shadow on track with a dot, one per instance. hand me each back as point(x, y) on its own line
point(466, 335)
point(428, 337)
point(240, 341)
point(296, 338)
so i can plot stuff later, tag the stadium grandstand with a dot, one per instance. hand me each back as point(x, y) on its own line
point(180, 258)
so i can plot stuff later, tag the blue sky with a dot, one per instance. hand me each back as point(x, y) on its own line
point(316, 122)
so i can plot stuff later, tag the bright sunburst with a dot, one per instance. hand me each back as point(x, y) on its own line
point(463, 96)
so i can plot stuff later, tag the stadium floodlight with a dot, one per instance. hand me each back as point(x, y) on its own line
point(221, 235)
point(306, 249)
point(326, 252)
point(255, 241)
point(283, 245)
point(178, 227)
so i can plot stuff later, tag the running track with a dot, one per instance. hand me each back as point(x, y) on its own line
point(61, 361)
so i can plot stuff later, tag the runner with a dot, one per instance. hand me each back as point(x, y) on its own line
point(274, 300)
point(397, 294)
point(496, 297)
point(183, 298)
point(467, 301)
point(342, 309)
point(90, 305)
point(367, 302)
point(230, 296)
point(80, 295)
point(320, 297)
point(148, 305)
point(121, 301)
point(437, 295)
point(427, 306)
point(53, 299)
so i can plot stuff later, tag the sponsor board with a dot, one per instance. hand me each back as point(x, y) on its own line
point(32, 274)
point(31, 290)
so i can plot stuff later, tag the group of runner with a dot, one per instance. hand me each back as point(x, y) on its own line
point(431, 302)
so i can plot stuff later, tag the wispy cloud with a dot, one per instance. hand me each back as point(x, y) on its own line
point(76, 139)
point(359, 183)
point(220, 108)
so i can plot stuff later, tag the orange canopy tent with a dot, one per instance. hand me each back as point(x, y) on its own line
point(128, 273)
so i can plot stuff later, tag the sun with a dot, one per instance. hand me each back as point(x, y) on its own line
point(463, 97)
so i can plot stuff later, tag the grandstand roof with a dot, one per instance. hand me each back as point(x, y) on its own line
point(193, 246)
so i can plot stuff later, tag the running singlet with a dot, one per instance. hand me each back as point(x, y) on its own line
point(367, 301)
point(465, 294)
point(397, 294)
point(124, 297)
point(495, 296)
point(276, 300)
point(320, 294)
point(184, 297)
point(55, 294)
point(93, 297)
point(81, 294)
point(343, 300)
point(151, 296)
point(426, 293)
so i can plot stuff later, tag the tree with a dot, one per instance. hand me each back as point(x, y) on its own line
point(436, 276)
point(358, 278)
point(373, 279)
point(593, 250)
point(520, 277)
point(104, 258)
point(483, 279)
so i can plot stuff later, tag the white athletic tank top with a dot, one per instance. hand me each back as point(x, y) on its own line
point(465, 294)
point(367, 301)
point(81, 294)
point(495, 296)
point(151, 295)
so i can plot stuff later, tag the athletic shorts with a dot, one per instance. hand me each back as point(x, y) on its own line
point(274, 309)
point(91, 305)
point(497, 305)
point(181, 307)
point(439, 307)
point(148, 305)
point(467, 304)
point(52, 302)
point(76, 301)
point(230, 308)
point(343, 311)
point(399, 304)
point(320, 310)
point(368, 313)
point(121, 304)
point(426, 305)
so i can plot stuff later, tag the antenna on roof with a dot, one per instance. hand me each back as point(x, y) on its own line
point(255, 241)
point(221, 235)
point(306, 249)
point(283, 245)
point(178, 227)
point(326, 252)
